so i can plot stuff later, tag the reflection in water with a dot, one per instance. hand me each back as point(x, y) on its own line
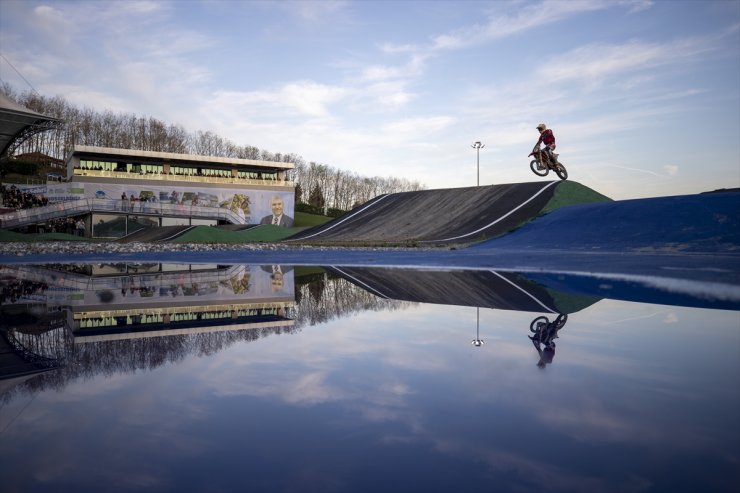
point(479, 288)
point(544, 335)
point(477, 342)
point(83, 320)
point(175, 378)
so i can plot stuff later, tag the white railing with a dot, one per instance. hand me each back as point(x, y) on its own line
point(84, 206)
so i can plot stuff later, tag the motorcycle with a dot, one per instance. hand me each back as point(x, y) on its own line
point(544, 331)
point(541, 165)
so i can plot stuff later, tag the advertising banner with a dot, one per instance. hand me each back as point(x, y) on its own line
point(254, 206)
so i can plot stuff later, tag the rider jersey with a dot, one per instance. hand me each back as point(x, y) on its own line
point(548, 138)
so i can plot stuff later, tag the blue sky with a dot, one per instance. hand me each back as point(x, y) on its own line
point(643, 96)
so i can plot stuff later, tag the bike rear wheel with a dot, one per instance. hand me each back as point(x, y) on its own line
point(534, 165)
point(561, 171)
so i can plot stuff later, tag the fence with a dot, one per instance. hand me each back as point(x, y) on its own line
point(37, 215)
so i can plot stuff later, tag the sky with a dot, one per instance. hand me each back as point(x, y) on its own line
point(643, 96)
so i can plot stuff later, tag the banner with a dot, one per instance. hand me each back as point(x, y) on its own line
point(254, 206)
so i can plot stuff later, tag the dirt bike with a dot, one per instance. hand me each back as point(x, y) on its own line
point(544, 331)
point(541, 165)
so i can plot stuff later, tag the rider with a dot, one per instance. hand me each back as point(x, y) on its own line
point(547, 138)
point(545, 334)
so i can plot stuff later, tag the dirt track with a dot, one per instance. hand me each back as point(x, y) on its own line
point(456, 215)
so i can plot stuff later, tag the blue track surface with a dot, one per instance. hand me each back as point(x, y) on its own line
point(704, 223)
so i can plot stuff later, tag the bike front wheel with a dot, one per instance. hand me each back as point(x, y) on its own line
point(535, 166)
point(537, 323)
point(561, 171)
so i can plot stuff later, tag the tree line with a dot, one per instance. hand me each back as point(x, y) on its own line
point(320, 186)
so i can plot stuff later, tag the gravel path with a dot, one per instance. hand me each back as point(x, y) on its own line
point(81, 247)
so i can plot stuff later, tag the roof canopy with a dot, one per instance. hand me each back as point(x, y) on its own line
point(18, 123)
point(112, 153)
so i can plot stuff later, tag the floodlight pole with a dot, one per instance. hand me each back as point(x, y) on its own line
point(477, 146)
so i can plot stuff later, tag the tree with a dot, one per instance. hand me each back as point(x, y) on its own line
point(329, 187)
point(298, 193)
point(316, 197)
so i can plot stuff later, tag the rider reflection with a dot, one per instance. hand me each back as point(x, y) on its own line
point(544, 335)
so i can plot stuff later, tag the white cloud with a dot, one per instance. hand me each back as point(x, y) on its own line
point(314, 12)
point(670, 318)
point(142, 7)
point(670, 169)
point(417, 126)
point(311, 98)
point(591, 64)
point(503, 26)
point(303, 98)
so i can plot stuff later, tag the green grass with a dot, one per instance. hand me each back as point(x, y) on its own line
point(305, 220)
point(200, 234)
point(571, 193)
point(12, 236)
point(566, 193)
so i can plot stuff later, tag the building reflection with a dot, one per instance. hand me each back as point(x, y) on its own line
point(123, 317)
point(108, 317)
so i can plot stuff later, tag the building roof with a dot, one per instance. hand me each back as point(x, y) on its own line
point(103, 152)
point(17, 123)
point(38, 157)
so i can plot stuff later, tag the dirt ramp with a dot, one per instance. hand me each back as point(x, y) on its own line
point(163, 233)
point(477, 288)
point(443, 216)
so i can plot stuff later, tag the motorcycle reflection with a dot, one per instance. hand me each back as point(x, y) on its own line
point(543, 337)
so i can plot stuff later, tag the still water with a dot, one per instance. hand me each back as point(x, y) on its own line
point(167, 377)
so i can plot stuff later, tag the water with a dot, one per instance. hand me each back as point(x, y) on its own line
point(237, 378)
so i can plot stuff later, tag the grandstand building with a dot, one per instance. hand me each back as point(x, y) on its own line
point(120, 191)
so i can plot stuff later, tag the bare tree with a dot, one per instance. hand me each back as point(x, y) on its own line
point(331, 187)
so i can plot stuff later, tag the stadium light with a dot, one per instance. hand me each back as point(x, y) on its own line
point(477, 146)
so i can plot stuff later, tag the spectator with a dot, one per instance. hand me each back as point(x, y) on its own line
point(14, 198)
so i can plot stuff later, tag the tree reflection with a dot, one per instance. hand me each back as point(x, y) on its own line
point(321, 298)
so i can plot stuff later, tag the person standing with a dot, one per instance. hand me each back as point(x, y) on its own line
point(80, 226)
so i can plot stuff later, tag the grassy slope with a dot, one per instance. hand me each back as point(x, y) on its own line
point(263, 233)
point(305, 220)
point(199, 234)
point(572, 193)
point(566, 193)
point(10, 236)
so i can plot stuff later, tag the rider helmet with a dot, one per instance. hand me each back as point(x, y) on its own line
point(541, 127)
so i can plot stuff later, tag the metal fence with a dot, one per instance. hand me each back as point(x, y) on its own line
point(37, 215)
